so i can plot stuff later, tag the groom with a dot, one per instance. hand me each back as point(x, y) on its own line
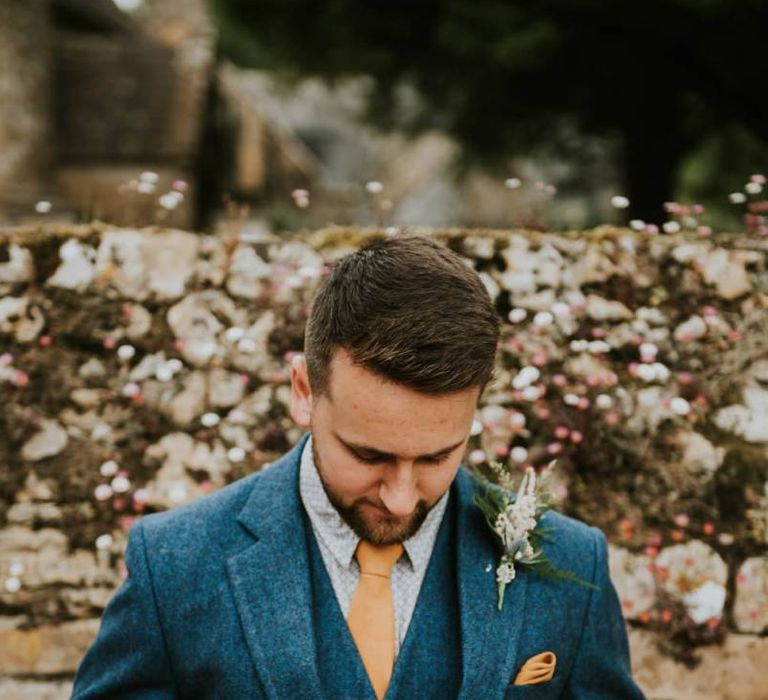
point(357, 565)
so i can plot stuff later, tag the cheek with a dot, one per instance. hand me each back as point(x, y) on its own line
point(347, 477)
point(433, 483)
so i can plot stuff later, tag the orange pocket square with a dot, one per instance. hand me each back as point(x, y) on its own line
point(538, 669)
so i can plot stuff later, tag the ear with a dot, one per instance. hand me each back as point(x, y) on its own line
point(301, 394)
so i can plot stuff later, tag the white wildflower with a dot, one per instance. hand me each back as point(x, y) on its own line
point(531, 393)
point(525, 377)
point(571, 399)
point(518, 454)
point(671, 227)
point(109, 468)
point(680, 406)
point(505, 573)
point(598, 346)
point(603, 401)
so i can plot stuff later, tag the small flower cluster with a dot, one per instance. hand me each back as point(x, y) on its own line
point(513, 517)
point(514, 526)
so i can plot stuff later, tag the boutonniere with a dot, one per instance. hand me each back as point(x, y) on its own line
point(513, 516)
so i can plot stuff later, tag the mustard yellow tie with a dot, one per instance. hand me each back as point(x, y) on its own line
point(371, 616)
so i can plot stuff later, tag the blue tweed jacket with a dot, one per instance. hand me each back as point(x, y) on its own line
point(217, 604)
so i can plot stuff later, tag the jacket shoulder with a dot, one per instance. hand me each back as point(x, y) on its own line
point(572, 544)
point(188, 518)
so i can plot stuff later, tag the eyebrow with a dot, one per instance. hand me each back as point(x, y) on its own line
point(373, 452)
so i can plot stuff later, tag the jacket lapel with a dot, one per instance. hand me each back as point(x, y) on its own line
point(489, 637)
point(271, 583)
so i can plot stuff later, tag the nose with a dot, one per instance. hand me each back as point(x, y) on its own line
point(398, 491)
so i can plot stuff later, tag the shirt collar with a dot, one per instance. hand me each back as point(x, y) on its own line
point(339, 538)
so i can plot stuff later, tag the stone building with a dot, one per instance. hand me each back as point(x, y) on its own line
point(91, 96)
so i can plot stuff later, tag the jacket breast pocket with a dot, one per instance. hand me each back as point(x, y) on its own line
point(539, 691)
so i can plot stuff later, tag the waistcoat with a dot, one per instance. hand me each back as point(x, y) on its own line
point(429, 662)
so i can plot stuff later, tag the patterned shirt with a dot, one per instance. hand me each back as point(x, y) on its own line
point(337, 543)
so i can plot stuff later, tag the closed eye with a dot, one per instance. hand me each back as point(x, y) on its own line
point(385, 459)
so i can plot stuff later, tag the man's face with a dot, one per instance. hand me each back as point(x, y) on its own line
point(385, 453)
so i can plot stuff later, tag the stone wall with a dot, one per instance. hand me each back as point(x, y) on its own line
point(25, 125)
point(140, 369)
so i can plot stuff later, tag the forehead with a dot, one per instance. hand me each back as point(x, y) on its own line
point(364, 408)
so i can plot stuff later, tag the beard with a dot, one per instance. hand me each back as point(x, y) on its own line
point(381, 530)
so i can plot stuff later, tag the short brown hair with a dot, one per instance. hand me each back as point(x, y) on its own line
point(408, 309)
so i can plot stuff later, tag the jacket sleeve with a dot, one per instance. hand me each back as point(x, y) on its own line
point(601, 670)
point(128, 659)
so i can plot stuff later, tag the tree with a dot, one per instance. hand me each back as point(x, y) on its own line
point(503, 76)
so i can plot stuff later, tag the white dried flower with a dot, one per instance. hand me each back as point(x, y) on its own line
point(126, 352)
point(209, 420)
point(603, 401)
point(671, 227)
point(517, 315)
point(680, 406)
point(505, 573)
point(103, 492)
point(235, 454)
point(517, 419)
point(104, 541)
point(477, 456)
point(662, 371)
point(598, 347)
point(170, 200)
point(120, 484)
point(531, 393)
point(518, 454)
point(647, 373)
point(145, 187)
point(109, 468)
point(525, 377)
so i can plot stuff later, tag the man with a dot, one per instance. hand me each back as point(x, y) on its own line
point(357, 565)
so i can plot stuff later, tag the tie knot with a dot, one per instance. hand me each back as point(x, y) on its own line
point(377, 560)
